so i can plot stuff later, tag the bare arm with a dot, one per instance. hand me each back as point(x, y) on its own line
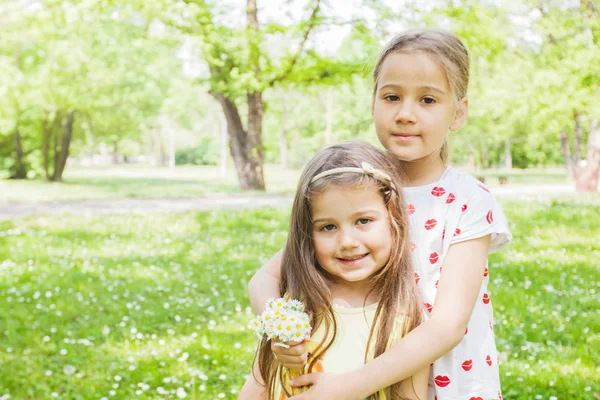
point(457, 293)
point(253, 389)
point(458, 289)
point(264, 285)
point(416, 388)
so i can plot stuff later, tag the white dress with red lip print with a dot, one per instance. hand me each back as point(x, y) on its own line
point(457, 208)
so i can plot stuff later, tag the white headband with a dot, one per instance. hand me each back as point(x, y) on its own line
point(365, 168)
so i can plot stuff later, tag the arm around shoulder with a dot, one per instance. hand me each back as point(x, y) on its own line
point(254, 388)
point(457, 293)
point(264, 285)
point(415, 388)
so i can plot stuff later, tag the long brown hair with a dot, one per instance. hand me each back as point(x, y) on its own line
point(303, 278)
point(445, 47)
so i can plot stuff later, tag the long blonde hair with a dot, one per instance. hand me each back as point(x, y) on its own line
point(303, 278)
point(445, 47)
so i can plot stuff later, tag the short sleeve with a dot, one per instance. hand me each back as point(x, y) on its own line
point(480, 216)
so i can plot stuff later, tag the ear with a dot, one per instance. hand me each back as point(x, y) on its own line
point(461, 115)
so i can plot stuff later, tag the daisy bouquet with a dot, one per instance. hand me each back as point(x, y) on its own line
point(283, 321)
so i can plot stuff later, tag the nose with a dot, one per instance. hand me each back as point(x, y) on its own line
point(405, 113)
point(347, 239)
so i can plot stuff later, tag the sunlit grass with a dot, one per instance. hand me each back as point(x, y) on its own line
point(154, 306)
point(134, 181)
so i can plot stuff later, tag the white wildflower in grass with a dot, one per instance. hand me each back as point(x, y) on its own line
point(283, 320)
point(69, 370)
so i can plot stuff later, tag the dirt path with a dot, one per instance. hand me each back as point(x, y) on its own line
point(19, 210)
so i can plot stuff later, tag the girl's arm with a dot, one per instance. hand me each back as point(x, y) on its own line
point(457, 293)
point(253, 390)
point(416, 388)
point(264, 285)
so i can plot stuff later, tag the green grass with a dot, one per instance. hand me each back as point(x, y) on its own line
point(134, 181)
point(525, 176)
point(120, 306)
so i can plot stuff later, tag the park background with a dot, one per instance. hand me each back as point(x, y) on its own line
point(182, 106)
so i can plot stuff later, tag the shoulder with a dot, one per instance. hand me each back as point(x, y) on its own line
point(468, 188)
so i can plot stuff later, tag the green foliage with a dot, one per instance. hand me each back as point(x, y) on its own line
point(204, 154)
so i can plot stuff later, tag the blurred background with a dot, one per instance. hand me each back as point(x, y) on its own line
point(130, 89)
point(111, 111)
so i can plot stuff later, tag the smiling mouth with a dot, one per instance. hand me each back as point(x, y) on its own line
point(353, 258)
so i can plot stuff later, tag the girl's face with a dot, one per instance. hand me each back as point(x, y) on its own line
point(414, 107)
point(351, 233)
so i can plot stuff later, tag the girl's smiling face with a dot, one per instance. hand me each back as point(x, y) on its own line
point(352, 234)
point(414, 107)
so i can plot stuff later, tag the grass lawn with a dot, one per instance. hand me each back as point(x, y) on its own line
point(154, 306)
point(135, 181)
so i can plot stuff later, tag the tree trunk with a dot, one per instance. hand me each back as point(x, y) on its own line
point(577, 152)
point(586, 175)
point(63, 155)
point(247, 160)
point(507, 155)
point(283, 146)
point(246, 146)
point(45, 145)
point(328, 116)
point(171, 148)
point(115, 153)
point(224, 144)
point(20, 169)
point(566, 153)
point(161, 148)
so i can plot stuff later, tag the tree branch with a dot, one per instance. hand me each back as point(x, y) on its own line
point(311, 24)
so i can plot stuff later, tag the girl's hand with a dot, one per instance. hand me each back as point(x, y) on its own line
point(325, 385)
point(293, 357)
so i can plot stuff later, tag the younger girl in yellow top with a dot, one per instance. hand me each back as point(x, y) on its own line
point(348, 259)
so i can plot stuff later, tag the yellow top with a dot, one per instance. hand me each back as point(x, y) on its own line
point(347, 352)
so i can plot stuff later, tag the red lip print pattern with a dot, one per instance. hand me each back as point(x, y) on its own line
point(491, 326)
point(485, 271)
point(434, 257)
point(436, 284)
point(430, 224)
point(429, 307)
point(451, 198)
point(488, 360)
point(441, 381)
point(457, 232)
point(486, 298)
point(417, 278)
point(476, 398)
point(483, 187)
point(413, 246)
point(489, 217)
point(467, 365)
point(410, 209)
point(438, 191)
point(464, 208)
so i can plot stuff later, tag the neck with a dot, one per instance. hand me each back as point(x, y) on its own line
point(353, 294)
point(423, 171)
